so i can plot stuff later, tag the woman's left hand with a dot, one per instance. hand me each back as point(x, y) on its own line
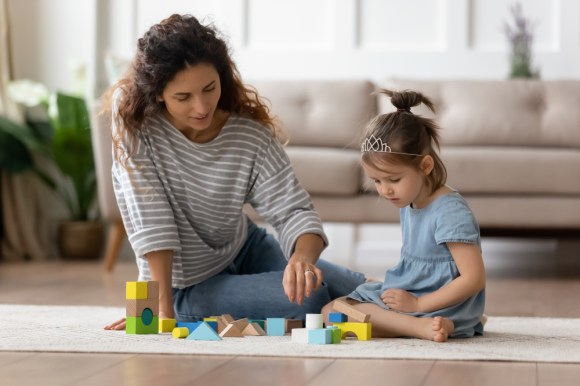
point(400, 300)
point(301, 277)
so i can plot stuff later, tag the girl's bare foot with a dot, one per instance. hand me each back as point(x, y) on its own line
point(441, 328)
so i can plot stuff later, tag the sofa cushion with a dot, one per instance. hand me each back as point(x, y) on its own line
point(500, 113)
point(323, 113)
point(326, 171)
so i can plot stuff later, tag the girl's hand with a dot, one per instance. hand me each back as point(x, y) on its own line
point(400, 300)
point(301, 277)
point(118, 325)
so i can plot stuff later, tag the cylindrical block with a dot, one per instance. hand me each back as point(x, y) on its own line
point(180, 332)
point(313, 321)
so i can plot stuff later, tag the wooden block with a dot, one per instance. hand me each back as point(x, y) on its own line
point(345, 308)
point(292, 324)
point(190, 325)
point(314, 321)
point(166, 325)
point(276, 326)
point(319, 336)
point(135, 307)
point(204, 332)
point(337, 317)
point(253, 329)
point(240, 323)
point(336, 334)
point(136, 290)
point(300, 335)
point(227, 318)
point(153, 290)
point(136, 325)
point(231, 331)
point(261, 322)
point(180, 332)
point(361, 330)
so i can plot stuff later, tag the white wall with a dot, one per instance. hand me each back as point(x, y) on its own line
point(289, 39)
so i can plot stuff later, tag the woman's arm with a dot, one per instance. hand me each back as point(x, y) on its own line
point(161, 264)
point(296, 282)
point(470, 281)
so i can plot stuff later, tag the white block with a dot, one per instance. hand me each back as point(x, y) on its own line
point(300, 335)
point(313, 321)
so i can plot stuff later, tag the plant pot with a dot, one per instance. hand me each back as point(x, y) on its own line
point(81, 240)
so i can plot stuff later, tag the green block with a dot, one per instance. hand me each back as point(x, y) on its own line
point(261, 323)
point(135, 325)
point(335, 334)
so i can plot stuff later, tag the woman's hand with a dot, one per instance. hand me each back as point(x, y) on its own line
point(301, 277)
point(400, 300)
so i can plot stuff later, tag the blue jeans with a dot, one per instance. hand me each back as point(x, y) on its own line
point(251, 287)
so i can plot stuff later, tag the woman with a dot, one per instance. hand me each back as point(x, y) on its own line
point(192, 145)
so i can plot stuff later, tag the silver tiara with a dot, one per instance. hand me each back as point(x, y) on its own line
point(374, 144)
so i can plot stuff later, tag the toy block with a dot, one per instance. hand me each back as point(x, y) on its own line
point(180, 332)
point(361, 330)
point(240, 323)
point(231, 331)
point(345, 308)
point(276, 326)
point(135, 307)
point(221, 325)
point(319, 336)
point(292, 324)
point(335, 334)
point(204, 332)
point(153, 290)
point(313, 321)
point(166, 325)
point(227, 319)
point(253, 329)
point(300, 335)
point(135, 325)
point(189, 325)
point(337, 317)
point(210, 319)
point(212, 324)
point(261, 322)
point(136, 290)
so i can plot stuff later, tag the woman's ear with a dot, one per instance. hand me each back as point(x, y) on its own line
point(427, 165)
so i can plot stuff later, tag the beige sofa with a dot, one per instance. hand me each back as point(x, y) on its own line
point(512, 148)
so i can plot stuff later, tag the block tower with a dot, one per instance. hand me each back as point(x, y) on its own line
point(142, 311)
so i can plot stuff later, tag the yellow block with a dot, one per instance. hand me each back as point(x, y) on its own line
point(166, 325)
point(362, 330)
point(180, 332)
point(136, 290)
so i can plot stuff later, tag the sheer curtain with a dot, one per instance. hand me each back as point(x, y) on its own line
point(24, 222)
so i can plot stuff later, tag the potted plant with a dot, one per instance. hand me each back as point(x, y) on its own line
point(68, 143)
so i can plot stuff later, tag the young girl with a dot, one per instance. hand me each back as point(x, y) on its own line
point(437, 290)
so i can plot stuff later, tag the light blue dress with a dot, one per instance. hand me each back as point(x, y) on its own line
point(426, 263)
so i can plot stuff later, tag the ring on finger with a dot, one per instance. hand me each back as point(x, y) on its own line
point(308, 270)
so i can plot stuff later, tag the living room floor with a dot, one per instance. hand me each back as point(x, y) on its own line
point(525, 278)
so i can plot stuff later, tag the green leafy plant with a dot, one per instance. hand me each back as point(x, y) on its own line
point(62, 133)
point(520, 37)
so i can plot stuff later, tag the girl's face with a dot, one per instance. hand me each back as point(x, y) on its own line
point(191, 99)
point(401, 184)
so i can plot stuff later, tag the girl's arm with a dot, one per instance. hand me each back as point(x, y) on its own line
point(470, 281)
point(161, 265)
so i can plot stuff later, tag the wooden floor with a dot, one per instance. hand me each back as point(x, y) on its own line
point(551, 292)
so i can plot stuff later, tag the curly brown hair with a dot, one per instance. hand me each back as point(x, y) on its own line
point(167, 48)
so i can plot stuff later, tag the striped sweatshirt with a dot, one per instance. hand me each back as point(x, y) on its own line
point(188, 197)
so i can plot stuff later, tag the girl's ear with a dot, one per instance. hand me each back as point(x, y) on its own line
point(427, 165)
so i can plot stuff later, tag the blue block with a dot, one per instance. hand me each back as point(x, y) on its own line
point(276, 326)
point(204, 332)
point(319, 336)
point(337, 317)
point(191, 326)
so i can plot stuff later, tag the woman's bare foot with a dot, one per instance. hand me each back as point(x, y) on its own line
point(440, 329)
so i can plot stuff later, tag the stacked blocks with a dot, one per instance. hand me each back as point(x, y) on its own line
point(142, 307)
point(276, 326)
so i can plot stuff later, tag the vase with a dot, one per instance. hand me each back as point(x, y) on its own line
point(81, 240)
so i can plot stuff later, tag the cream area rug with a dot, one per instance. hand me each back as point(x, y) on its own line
point(80, 329)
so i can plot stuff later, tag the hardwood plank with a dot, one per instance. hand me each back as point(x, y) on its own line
point(369, 372)
point(446, 373)
point(266, 371)
point(7, 358)
point(509, 297)
point(550, 374)
point(556, 297)
point(50, 369)
point(155, 370)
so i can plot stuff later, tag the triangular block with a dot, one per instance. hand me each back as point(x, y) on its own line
point(253, 329)
point(231, 331)
point(204, 332)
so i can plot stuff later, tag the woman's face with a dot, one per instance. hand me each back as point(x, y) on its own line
point(191, 99)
